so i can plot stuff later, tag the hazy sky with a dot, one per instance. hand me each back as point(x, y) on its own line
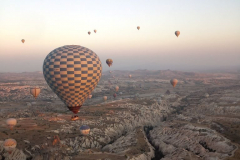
point(210, 32)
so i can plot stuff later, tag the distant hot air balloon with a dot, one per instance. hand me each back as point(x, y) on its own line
point(114, 95)
point(89, 96)
point(129, 75)
point(89, 32)
point(72, 72)
point(85, 129)
point(138, 27)
point(74, 118)
point(110, 71)
point(116, 88)
point(95, 31)
point(104, 98)
point(35, 91)
point(9, 145)
point(11, 122)
point(23, 40)
point(109, 62)
point(177, 33)
point(174, 82)
point(206, 95)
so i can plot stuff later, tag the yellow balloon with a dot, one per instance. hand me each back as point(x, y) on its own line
point(72, 72)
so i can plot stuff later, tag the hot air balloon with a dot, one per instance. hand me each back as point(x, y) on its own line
point(35, 92)
point(89, 32)
point(177, 33)
point(129, 75)
point(85, 129)
point(116, 88)
point(11, 122)
point(109, 62)
point(138, 27)
point(174, 82)
point(23, 40)
point(104, 98)
point(110, 71)
point(95, 30)
point(114, 95)
point(9, 145)
point(72, 72)
point(74, 118)
point(206, 95)
point(89, 96)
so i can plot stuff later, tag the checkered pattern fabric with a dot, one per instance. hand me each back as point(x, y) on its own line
point(72, 72)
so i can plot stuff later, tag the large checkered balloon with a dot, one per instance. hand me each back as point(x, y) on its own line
point(72, 72)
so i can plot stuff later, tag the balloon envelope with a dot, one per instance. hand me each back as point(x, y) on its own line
point(72, 72)
point(95, 31)
point(206, 95)
point(9, 145)
point(89, 32)
point(11, 122)
point(116, 88)
point(109, 62)
point(177, 33)
point(23, 40)
point(35, 91)
point(138, 27)
point(174, 82)
point(104, 98)
point(129, 75)
point(85, 129)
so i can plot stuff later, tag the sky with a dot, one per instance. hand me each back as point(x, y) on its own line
point(209, 39)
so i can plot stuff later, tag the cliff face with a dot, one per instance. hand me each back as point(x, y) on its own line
point(181, 141)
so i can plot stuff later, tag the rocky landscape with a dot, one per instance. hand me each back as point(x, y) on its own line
point(198, 119)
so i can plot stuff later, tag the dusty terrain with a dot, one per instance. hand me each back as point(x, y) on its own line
point(141, 123)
